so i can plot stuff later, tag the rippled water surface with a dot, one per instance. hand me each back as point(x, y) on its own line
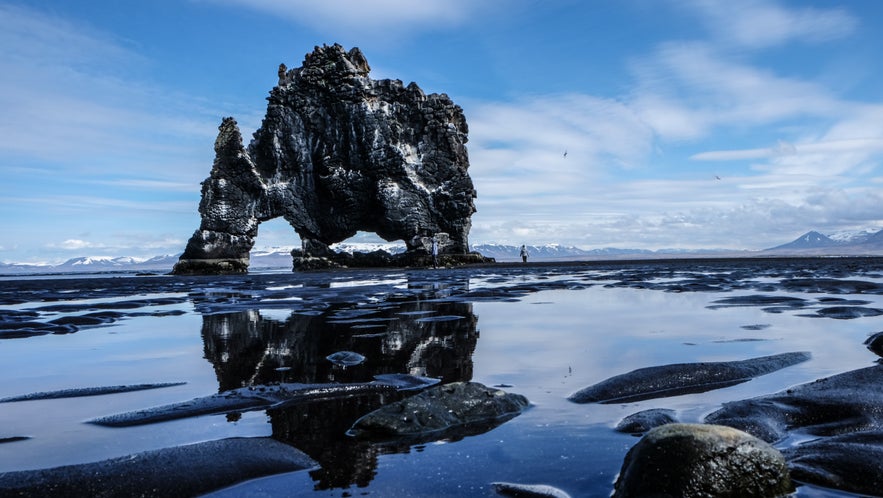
point(543, 331)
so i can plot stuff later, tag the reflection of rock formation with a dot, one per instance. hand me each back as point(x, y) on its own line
point(412, 337)
point(245, 348)
point(337, 152)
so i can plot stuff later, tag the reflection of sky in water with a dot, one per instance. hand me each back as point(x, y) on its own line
point(545, 344)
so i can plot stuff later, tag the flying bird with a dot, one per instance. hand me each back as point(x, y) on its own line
point(565, 153)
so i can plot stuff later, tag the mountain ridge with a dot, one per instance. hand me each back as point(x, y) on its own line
point(811, 243)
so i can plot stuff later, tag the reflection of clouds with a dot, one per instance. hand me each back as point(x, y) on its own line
point(577, 338)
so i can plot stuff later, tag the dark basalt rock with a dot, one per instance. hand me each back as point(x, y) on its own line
point(188, 470)
point(875, 343)
point(337, 153)
point(682, 378)
point(88, 391)
point(458, 409)
point(643, 421)
point(851, 462)
point(848, 402)
point(263, 397)
point(697, 460)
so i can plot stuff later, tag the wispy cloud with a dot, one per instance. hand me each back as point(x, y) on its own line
point(763, 23)
point(685, 91)
point(76, 97)
point(380, 18)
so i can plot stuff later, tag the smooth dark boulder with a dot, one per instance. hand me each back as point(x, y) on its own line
point(843, 403)
point(698, 460)
point(851, 462)
point(643, 421)
point(459, 405)
point(183, 471)
point(682, 378)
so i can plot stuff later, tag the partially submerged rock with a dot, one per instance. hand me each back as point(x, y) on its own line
point(346, 358)
point(682, 378)
point(644, 420)
point(528, 490)
point(875, 343)
point(88, 391)
point(848, 402)
point(696, 460)
point(851, 462)
point(459, 405)
point(188, 470)
point(263, 397)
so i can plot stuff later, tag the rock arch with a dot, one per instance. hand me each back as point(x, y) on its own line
point(337, 153)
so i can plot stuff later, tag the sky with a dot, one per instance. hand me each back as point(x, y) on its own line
point(687, 123)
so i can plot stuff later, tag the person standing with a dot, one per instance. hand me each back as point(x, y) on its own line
point(434, 252)
point(523, 254)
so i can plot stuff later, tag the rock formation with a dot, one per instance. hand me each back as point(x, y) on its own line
point(337, 153)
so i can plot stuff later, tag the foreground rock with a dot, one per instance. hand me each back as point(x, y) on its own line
point(695, 460)
point(848, 402)
point(851, 462)
point(188, 470)
point(263, 397)
point(337, 152)
point(682, 378)
point(459, 408)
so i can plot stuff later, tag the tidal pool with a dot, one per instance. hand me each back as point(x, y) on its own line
point(542, 331)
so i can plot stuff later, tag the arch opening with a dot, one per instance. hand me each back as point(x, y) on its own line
point(275, 240)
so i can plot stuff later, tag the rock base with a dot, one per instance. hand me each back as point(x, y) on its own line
point(382, 259)
point(210, 266)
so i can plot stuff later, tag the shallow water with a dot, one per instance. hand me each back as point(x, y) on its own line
point(544, 331)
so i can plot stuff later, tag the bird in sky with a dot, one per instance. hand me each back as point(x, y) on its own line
point(565, 153)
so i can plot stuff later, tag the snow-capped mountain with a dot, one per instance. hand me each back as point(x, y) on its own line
point(840, 243)
point(99, 262)
point(812, 243)
point(809, 240)
point(852, 236)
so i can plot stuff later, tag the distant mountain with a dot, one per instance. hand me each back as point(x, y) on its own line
point(852, 236)
point(94, 264)
point(813, 243)
point(809, 240)
point(557, 252)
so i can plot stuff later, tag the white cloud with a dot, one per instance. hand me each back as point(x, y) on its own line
point(377, 18)
point(762, 23)
point(77, 244)
point(75, 98)
point(685, 91)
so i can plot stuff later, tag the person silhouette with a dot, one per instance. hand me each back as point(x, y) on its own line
point(434, 252)
point(523, 254)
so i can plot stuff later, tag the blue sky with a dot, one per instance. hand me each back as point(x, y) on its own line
point(688, 123)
